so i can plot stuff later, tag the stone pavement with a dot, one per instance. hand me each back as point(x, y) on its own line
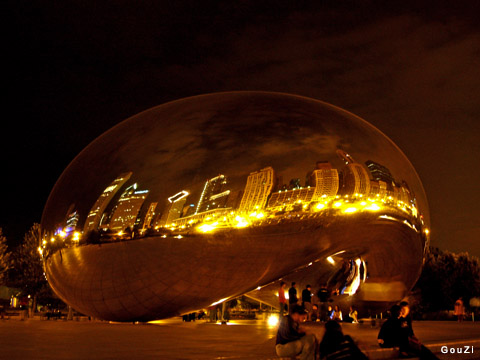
point(174, 339)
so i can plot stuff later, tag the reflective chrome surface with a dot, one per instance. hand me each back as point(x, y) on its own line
point(209, 197)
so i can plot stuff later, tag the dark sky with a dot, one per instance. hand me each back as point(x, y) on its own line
point(76, 68)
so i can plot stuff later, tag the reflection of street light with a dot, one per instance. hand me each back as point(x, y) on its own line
point(330, 260)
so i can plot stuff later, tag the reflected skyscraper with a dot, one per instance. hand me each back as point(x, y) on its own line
point(380, 173)
point(356, 180)
point(325, 180)
point(173, 208)
point(127, 208)
point(95, 214)
point(258, 188)
point(147, 222)
point(213, 195)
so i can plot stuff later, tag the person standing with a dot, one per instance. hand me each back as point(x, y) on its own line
point(282, 299)
point(323, 298)
point(292, 340)
point(459, 310)
point(307, 301)
point(292, 295)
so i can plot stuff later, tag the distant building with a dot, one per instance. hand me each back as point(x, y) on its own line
point(380, 173)
point(356, 180)
point(94, 216)
point(213, 195)
point(294, 184)
point(378, 189)
point(127, 208)
point(258, 188)
point(72, 221)
point(174, 207)
point(288, 199)
point(149, 215)
point(325, 180)
point(234, 199)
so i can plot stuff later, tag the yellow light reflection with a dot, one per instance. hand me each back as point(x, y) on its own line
point(320, 206)
point(273, 320)
point(207, 227)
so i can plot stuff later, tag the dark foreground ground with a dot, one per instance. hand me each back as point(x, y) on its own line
point(174, 339)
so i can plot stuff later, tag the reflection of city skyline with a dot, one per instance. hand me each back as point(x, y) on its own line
point(264, 190)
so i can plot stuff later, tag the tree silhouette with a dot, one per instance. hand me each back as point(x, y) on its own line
point(446, 277)
point(5, 259)
point(27, 265)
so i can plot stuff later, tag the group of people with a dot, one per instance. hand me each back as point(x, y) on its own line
point(314, 311)
point(397, 331)
point(293, 340)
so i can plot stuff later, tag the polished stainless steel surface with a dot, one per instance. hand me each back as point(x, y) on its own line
point(209, 197)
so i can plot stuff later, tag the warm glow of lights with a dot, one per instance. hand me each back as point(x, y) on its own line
point(120, 233)
point(76, 236)
point(350, 210)
point(330, 260)
point(355, 284)
point(62, 234)
point(427, 231)
point(207, 227)
point(273, 320)
point(52, 239)
point(338, 204)
point(241, 222)
point(218, 302)
point(373, 207)
point(319, 206)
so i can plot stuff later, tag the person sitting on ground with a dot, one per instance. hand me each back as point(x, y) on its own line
point(352, 316)
point(336, 345)
point(389, 334)
point(337, 314)
point(410, 346)
point(292, 339)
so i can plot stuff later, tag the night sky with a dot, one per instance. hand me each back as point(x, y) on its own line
point(76, 68)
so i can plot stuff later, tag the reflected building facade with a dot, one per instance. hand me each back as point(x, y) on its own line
point(95, 214)
point(259, 186)
point(214, 194)
point(127, 209)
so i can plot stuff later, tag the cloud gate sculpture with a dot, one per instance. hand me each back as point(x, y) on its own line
point(210, 197)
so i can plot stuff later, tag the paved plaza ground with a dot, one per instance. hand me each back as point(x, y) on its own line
point(174, 339)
